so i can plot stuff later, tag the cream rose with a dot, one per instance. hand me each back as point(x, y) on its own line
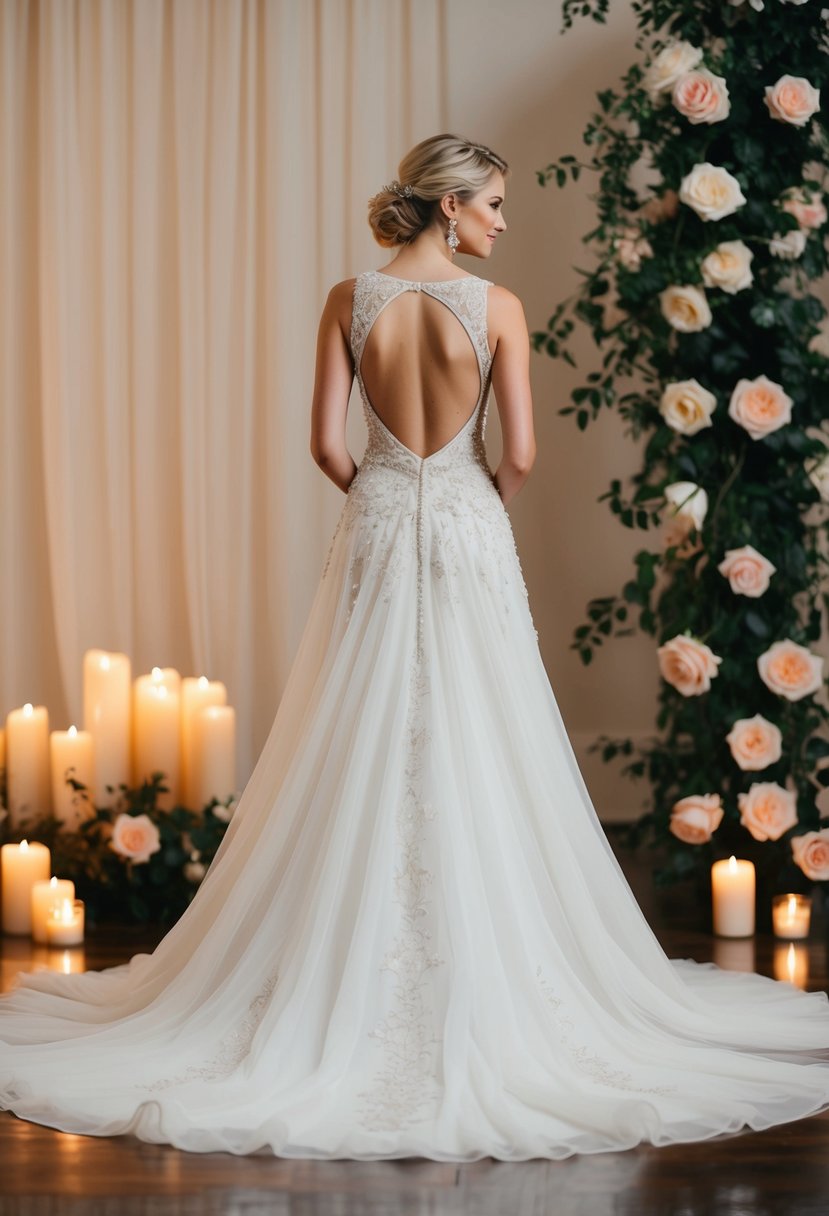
point(685, 308)
point(767, 810)
point(135, 837)
point(689, 500)
point(747, 571)
point(711, 191)
point(811, 853)
point(687, 406)
point(687, 664)
point(695, 818)
point(760, 406)
point(819, 477)
point(788, 244)
point(792, 99)
point(666, 67)
point(806, 205)
point(790, 670)
point(631, 247)
point(700, 96)
point(728, 267)
point(755, 742)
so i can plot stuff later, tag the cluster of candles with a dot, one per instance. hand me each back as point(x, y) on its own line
point(733, 896)
point(159, 722)
point(33, 902)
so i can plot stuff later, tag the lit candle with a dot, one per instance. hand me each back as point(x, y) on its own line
point(45, 897)
point(214, 754)
point(107, 711)
point(71, 749)
point(27, 760)
point(157, 731)
point(65, 924)
point(196, 695)
point(732, 891)
point(21, 865)
point(790, 915)
point(791, 963)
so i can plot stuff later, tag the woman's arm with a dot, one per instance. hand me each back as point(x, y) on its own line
point(511, 385)
point(332, 388)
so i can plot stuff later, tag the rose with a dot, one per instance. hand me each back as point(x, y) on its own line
point(711, 191)
point(672, 62)
point(700, 96)
point(135, 837)
point(677, 534)
point(225, 813)
point(819, 476)
point(788, 244)
point(728, 267)
point(792, 99)
point(695, 818)
point(790, 670)
point(767, 810)
point(755, 742)
point(805, 205)
point(687, 664)
point(685, 308)
point(760, 406)
point(811, 853)
point(194, 871)
point(757, 5)
point(688, 499)
point(631, 247)
point(664, 207)
point(747, 571)
point(687, 406)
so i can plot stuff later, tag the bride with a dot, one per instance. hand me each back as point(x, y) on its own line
point(415, 939)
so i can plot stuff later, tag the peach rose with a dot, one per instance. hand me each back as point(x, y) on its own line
point(676, 533)
point(728, 267)
point(790, 670)
point(767, 810)
point(685, 308)
point(819, 476)
point(135, 837)
point(811, 853)
point(806, 205)
point(760, 406)
point(700, 96)
point(687, 664)
point(792, 99)
point(687, 406)
point(666, 67)
point(695, 818)
point(755, 742)
point(711, 191)
point(663, 207)
point(688, 500)
point(788, 244)
point(747, 571)
point(631, 247)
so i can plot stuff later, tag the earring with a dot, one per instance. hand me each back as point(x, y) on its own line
point(451, 236)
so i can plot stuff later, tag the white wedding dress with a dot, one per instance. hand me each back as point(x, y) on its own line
point(415, 939)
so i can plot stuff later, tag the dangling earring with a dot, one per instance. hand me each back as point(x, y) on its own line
point(451, 237)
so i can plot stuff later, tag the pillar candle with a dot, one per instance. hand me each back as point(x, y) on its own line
point(732, 891)
point(196, 695)
point(66, 922)
point(214, 754)
point(157, 731)
point(790, 915)
point(27, 773)
point(71, 749)
point(45, 897)
point(107, 713)
point(22, 865)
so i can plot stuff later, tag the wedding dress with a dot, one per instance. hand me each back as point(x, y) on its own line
point(415, 939)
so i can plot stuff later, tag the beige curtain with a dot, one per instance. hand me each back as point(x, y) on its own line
point(181, 181)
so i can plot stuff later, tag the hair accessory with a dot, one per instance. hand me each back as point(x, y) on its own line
point(451, 236)
point(403, 191)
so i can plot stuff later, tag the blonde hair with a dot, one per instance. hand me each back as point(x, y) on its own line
point(442, 164)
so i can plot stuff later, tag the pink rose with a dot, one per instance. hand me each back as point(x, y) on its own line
point(792, 99)
point(700, 96)
point(755, 742)
point(811, 853)
point(806, 205)
point(687, 664)
point(630, 247)
point(767, 810)
point(760, 406)
point(135, 837)
point(790, 670)
point(695, 818)
point(747, 571)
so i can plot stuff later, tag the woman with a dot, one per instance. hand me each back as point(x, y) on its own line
point(415, 939)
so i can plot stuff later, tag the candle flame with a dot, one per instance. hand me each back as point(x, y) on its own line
point(158, 674)
point(24, 844)
point(28, 709)
point(792, 905)
point(104, 662)
point(53, 882)
point(203, 681)
point(73, 730)
point(732, 863)
point(67, 912)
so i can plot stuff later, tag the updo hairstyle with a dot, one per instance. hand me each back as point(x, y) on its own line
point(443, 164)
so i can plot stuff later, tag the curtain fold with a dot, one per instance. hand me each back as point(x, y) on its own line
point(182, 182)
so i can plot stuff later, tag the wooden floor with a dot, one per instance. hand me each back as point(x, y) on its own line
point(781, 1172)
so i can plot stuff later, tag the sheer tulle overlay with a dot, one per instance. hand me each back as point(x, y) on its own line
point(415, 939)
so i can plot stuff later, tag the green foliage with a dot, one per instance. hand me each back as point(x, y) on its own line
point(759, 491)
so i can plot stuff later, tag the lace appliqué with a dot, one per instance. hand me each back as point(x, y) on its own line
point(233, 1048)
point(405, 1088)
point(599, 1069)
